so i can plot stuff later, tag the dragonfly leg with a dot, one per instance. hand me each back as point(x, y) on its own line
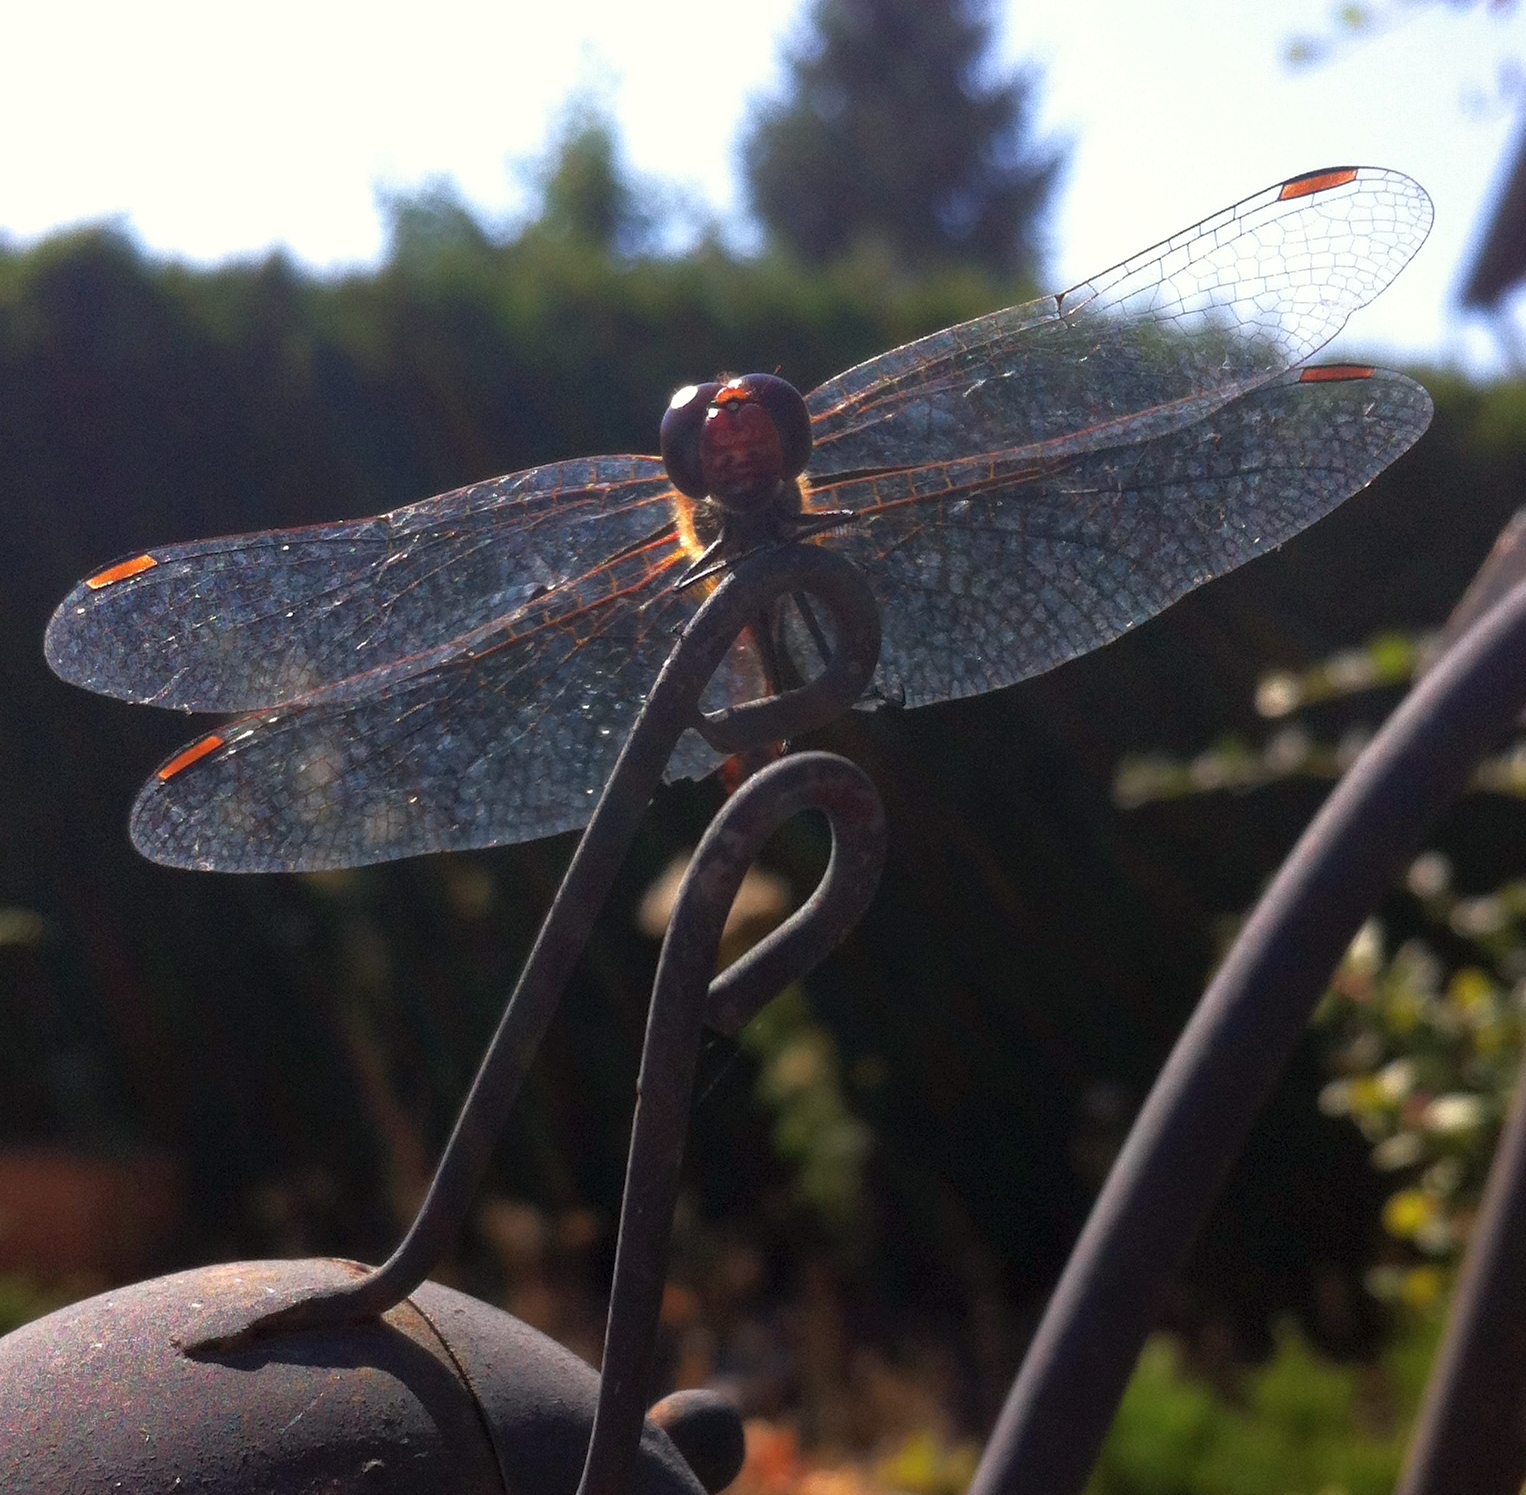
point(705, 564)
point(812, 625)
point(724, 549)
point(803, 526)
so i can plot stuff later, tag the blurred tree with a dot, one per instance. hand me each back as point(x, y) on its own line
point(587, 197)
point(892, 131)
point(422, 225)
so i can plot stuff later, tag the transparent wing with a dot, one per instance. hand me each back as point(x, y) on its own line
point(993, 569)
point(249, 621)
point(504, 735)
point(1029, 485)
point(1147, 347)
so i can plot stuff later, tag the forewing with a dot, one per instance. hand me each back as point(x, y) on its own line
point(251, 621)
point(991, 570)
point(506, 735)
point(1144, 348)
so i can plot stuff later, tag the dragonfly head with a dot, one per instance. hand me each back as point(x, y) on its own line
point(736, 440)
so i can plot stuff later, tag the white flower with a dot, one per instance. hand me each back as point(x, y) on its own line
point(1450, 1114)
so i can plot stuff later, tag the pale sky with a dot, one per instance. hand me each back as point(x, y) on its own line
point(215, 132)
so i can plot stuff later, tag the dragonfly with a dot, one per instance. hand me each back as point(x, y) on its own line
point(1017, 490)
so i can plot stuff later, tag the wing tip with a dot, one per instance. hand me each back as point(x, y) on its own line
point(122, 571)
point(1323, 180)
point(1418, 208)
point(182, 760)
point(56, 643)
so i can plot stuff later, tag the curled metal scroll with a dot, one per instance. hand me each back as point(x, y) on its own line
point(683, 1000)
point(743, 597)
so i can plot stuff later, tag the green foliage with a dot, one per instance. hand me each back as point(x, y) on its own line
point(1425, 1038)
point(22, 1300)
point(1500, 420)
point(800, 1081)
point(925, 1464)
point(587, 197)
point(550, 344)
point(1292, 752)
point(426, 226)
point(889, 134)
point(1426, 1049)
point(1300, 1425)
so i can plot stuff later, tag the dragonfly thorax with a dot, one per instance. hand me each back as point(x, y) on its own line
point(712, 529)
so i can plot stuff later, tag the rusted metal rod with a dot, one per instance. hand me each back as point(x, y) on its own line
point(680, 1000)
point(1231, 1052)
point(743, 596)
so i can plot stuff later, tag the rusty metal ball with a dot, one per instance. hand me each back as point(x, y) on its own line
point(443, 1393)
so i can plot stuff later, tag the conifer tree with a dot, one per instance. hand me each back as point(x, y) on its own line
point(585, 196)
point(893, 131)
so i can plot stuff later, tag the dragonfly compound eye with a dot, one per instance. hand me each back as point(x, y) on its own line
point(787, 411)
point(683, 424)
point(742, 449)
point(734, 441)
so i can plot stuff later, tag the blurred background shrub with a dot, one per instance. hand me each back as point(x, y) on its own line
point(886, 1173)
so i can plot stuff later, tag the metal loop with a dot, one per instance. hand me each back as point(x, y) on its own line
point(805, 939)
point(846, 676)
point(743, 596)
point(683, 1000)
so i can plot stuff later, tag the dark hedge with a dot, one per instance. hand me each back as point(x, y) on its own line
point(1000, 1012)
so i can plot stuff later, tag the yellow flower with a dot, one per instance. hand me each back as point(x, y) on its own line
point(1420, 1287)
point(1408, 1211)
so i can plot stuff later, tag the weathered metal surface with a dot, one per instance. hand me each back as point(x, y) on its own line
point(1231, 1052)
point(680, 1002)
point(742, 597)
point(444, 1394)
point(538, 1401)
point(707, 1432)
point(100, 1396)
